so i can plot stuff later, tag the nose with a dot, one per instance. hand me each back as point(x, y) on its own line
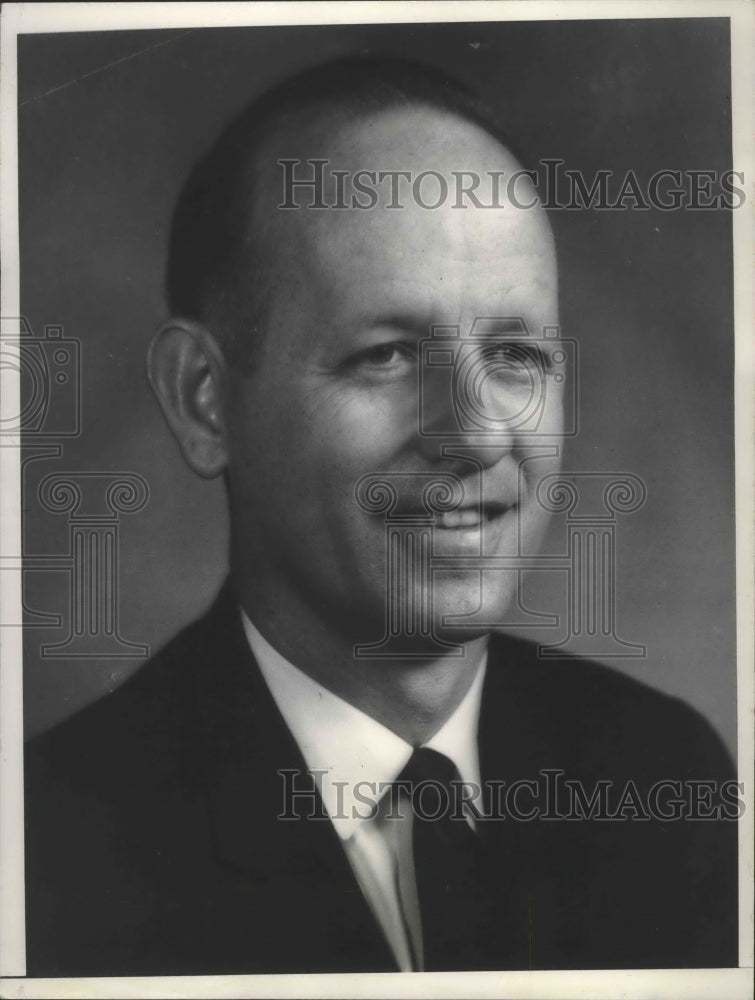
point(484, 451)
point(463, 420)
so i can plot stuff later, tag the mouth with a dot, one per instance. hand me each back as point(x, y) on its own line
point(471, 518)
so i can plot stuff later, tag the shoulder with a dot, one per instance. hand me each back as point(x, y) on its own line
point(140, 727)
point(114, 807)
point(587, 711)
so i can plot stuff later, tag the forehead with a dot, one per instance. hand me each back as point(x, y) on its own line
point(445, 261)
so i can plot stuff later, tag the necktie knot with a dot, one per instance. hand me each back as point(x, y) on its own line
point(426, 764)
point(428, 780)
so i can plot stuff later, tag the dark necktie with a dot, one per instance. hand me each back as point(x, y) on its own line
point(448, 866)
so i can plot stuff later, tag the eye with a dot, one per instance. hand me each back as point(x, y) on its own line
point(393, 360)
point(513, 357)
point(383, 355)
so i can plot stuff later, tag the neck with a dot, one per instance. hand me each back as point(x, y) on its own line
point(413, 697)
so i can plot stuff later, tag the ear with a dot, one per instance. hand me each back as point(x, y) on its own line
point(187, 372)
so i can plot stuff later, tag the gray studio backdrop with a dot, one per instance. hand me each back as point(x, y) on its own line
point(109, 126)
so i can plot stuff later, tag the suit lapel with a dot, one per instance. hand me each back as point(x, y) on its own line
point(246, 745)
point(300, 864)
point(514, 743)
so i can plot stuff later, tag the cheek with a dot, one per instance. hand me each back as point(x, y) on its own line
point(360, 432)
point(553, 417)
point(321, 438)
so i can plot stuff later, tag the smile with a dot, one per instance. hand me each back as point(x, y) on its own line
point(470, 517)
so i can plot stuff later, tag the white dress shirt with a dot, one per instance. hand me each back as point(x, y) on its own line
point(351, 747)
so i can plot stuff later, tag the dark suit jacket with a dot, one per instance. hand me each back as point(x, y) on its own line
point(153, 844)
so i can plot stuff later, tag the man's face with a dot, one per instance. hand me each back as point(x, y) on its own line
point(334, 391)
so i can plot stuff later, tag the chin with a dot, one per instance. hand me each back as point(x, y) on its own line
point(464, 610)
point(468, 594)
point(456, 610)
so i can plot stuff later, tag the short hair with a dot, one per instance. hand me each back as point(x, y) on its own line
point(210, 236)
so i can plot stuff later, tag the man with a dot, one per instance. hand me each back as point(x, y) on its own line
point(171, 827)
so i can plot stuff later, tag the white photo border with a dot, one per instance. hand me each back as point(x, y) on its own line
point(25, 18)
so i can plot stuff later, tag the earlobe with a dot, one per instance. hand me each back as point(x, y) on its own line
point(186, 370)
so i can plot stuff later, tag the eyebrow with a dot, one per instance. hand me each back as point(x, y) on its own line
point(419, 324)
point(423, 325)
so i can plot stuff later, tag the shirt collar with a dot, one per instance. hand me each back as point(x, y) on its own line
point(350, 746)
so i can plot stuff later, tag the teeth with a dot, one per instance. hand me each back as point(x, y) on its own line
point(466, 518)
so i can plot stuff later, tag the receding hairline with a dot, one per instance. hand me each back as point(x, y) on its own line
point(218, 229)
point(302, 139)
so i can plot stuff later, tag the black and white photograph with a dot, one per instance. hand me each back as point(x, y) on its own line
point(377, 499)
